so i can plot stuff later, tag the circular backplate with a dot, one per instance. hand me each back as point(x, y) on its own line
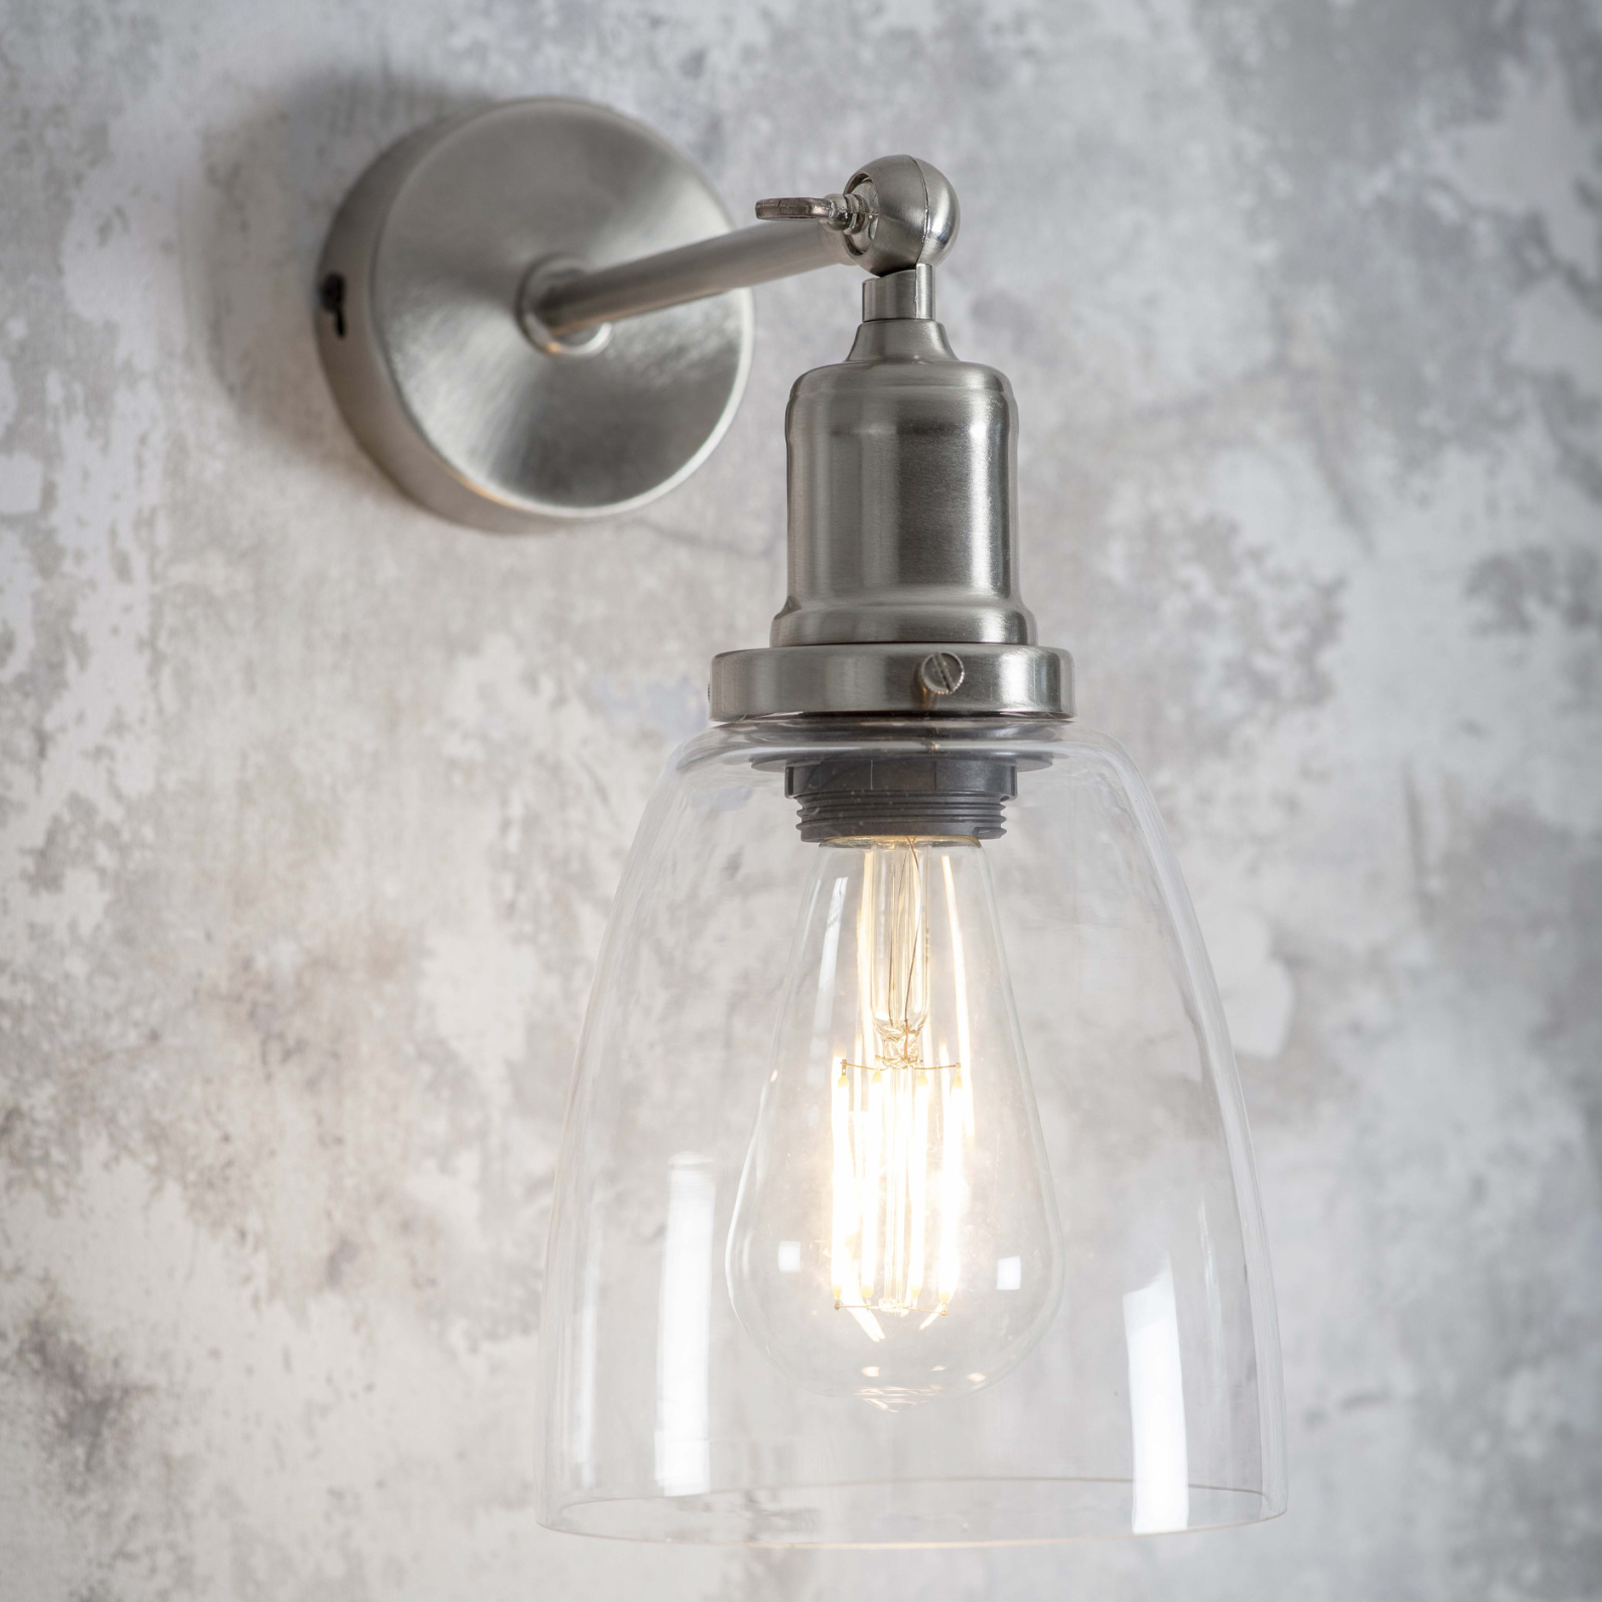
point(420, 333)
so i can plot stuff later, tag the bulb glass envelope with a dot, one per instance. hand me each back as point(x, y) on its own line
point(1150, 1400)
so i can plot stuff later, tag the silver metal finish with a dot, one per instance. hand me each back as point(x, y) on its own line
point(588, 340)
point(897, 212)
point(902, 539)
point(910, 293)
point(846, 214)
point(483, 294)
point(942, 673)
point(806, 680)
point(709, 267)
point(422, 328)
point(913, 215)
point(902, 489)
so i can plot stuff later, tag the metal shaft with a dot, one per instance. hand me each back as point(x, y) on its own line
point(736, 260)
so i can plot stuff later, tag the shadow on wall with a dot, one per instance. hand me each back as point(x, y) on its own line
point(273, 183)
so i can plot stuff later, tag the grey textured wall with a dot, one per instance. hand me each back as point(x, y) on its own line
point(313, 805)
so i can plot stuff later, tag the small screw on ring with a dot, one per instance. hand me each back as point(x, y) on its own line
point(941, 673)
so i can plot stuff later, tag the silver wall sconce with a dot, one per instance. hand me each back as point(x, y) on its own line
point(905, 1194)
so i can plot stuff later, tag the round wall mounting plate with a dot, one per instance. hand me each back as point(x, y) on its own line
point(471, 406)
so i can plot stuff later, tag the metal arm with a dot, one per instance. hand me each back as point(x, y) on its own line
point(481, 293)
point(895, 213)
point(728, 261)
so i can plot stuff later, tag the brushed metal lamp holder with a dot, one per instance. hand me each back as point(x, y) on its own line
point(540, 314)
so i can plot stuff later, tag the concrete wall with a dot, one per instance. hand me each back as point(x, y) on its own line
point(313, 804)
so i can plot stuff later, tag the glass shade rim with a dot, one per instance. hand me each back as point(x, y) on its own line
point(1245, 1505)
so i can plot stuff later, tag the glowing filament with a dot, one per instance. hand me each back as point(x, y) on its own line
point(899, 1119)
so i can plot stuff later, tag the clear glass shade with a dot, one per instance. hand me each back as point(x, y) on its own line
point(906, 1194)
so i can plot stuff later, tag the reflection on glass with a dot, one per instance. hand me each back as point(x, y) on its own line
point(683, 1348)
point(584, 1397)
point(1157, 1407)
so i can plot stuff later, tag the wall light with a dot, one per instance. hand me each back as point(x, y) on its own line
point(905, 1194)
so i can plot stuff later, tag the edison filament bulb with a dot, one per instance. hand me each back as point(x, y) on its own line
point(895, 1236)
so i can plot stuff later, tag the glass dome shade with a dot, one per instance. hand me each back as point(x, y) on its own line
point(905, 1195)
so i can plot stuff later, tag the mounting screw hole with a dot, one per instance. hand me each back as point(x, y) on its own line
point(331, 297)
